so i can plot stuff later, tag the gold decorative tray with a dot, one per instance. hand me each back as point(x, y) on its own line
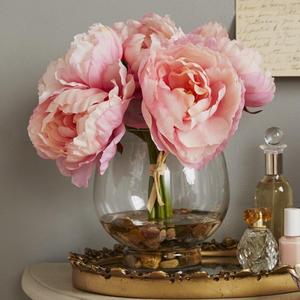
point(219, 276)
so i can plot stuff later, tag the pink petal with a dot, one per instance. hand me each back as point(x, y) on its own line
point(81, 176)
point(110, 151)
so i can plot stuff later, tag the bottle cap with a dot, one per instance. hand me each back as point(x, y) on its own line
point(292, 221)
point(257, 217)
point(273, 150)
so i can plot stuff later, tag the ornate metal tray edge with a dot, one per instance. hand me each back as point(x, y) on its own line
point(156, 283)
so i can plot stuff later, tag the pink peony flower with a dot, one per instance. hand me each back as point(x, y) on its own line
point(137, 36)
point(83, 98)
point(192, 101)
point(79, 129)
point(87, 62)
point(211, 29)
point(259, 84)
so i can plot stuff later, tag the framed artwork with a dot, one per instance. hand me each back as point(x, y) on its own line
point(273, 28)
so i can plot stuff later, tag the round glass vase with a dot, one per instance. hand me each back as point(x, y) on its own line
point(198, 202)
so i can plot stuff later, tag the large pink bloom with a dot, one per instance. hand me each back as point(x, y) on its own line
point(138, 37)
point(83, 98)
point(90, 58)
point(79, 129)
point(192, 101)
point(259, 84)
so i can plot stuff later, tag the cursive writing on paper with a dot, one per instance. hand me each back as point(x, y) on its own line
point(273, 28)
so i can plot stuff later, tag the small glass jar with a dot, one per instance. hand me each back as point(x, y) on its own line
point(257, 249)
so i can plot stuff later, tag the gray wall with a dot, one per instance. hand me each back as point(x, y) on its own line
point(42, 216)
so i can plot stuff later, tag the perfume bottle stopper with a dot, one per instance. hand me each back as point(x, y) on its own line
point(257, 217)
point(273, 136)
point(273, 150)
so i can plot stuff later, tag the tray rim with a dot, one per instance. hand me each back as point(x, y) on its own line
point(97, 271)
point(194, 288)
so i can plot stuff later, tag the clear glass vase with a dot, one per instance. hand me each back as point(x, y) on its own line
point(198, 204)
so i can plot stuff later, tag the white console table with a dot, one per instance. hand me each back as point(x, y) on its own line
point(52, 281)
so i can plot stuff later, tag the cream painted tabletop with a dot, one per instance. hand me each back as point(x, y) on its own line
point(52, 281)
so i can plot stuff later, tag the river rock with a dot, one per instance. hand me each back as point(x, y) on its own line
point(150, 261)
point(169, 264)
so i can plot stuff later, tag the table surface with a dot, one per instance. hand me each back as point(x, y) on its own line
point(49, 281)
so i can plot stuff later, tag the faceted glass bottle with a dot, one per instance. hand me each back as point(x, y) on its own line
point(273, 190)
point(257, 249)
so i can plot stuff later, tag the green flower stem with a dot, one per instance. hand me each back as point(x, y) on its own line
point(165, 184)
point(153, 155)
point(153, 213)
point(158, 212)
point(161, 209)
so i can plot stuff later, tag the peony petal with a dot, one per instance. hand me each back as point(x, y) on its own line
point(81, 176)
point(76, 100)
point(211, 30)
point(48, 85)
point(110, 151)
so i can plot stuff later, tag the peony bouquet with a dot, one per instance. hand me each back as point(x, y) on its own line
point(181, 93)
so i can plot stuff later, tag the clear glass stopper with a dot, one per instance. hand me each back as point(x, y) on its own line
point(273, 136)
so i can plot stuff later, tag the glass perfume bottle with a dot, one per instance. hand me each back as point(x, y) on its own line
point(257, 249)
point(273, 190)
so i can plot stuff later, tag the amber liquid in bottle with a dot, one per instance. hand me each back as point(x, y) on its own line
point(275, 192)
